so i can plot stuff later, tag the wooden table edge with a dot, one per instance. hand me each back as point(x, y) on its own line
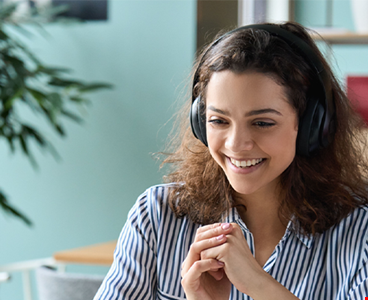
point(98, 254)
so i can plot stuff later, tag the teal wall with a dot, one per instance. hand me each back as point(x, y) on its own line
point(145, 49)
point(346, 59)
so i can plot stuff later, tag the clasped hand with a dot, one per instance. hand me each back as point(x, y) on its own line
point(219, 257)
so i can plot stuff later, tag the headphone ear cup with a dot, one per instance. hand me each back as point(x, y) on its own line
point(309, 132)
point(198, 120)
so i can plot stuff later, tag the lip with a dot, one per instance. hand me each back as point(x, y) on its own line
point(247, 170)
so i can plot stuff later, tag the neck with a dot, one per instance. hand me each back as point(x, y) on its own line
point(262, 219)
point(262, 213)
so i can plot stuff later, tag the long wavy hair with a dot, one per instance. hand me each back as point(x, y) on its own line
point(317, 191)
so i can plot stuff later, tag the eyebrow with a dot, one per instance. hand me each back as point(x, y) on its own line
point(248, 114)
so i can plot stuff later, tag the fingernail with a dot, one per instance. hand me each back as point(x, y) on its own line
point(220, 263)
point(220, 237)
point(225, 226)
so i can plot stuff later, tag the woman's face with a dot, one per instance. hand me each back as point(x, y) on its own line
point(251, 130)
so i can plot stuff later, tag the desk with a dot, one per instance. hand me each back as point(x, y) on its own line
point(100, 254)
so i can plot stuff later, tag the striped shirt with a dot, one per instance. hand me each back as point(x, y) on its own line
point(154, 243)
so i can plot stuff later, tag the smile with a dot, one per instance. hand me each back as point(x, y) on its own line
point(246, 163)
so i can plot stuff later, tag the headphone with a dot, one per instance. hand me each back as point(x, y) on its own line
point(316, 126)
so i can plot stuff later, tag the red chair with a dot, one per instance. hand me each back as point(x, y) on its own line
point(357, 91)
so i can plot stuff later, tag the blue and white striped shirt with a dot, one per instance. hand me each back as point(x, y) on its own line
point(154, 243)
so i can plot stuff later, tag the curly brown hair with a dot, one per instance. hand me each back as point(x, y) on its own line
point(317, 191)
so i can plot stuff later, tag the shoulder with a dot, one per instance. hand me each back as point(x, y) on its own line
point(153, 207)
point(354, 226)
point(155, 198)
point(158, 192)
point(153, 217)
point(350, 237)
point(356, 221)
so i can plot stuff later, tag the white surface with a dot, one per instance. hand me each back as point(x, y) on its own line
point(360, 12)
point(277, 10)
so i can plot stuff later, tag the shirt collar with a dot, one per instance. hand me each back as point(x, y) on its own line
point(307, 239)
point(232, 216)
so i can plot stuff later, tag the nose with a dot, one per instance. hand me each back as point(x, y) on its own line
point(239, 139)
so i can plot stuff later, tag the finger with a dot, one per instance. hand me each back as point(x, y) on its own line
point(217, 274)
point(216, 252)
point(196, 248)
point(212, 231)
point(202, 229)
point(198, 268)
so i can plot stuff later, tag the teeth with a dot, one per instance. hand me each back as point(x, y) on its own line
point(245, 163)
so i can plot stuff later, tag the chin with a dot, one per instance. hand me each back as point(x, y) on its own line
point(244, 189)
point(252, 187)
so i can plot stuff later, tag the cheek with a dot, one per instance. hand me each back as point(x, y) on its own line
point(213, 139)
point(288, 141)
point(217, 157)
point(214, 146)
point(285, 147)
point(280, 145)
point(287, 136)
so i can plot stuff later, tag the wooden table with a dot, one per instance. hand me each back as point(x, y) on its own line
point(100, 254)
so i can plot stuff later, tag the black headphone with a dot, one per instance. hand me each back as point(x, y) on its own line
point(316, 126)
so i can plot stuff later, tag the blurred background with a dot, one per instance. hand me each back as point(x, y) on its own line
point(146, 50)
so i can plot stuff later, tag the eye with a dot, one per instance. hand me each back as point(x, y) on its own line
point(263, 124)
point(217, 122)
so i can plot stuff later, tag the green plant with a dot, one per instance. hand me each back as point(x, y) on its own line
point(25, 80)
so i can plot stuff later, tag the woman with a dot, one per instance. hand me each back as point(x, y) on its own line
point(269, 202)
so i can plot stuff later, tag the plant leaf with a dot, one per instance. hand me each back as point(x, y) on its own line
point(23, 144)
point(95, 86)
point(3, 35)
point(51, 71)
point(72, 116)
point(6, 10)
point(56, 100)
point(22, 139)
point(8, 208)
point(9, 103)
point(11, 143)
point(39, 96)
point(60, 129)
point(23, 76)
point(56, 81)
point(35, 134)
point(78, 99)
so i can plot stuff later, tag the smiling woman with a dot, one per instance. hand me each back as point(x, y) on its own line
point(249, 119)
point(268, 197)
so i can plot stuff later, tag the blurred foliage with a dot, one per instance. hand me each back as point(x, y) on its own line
point(25, 80)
